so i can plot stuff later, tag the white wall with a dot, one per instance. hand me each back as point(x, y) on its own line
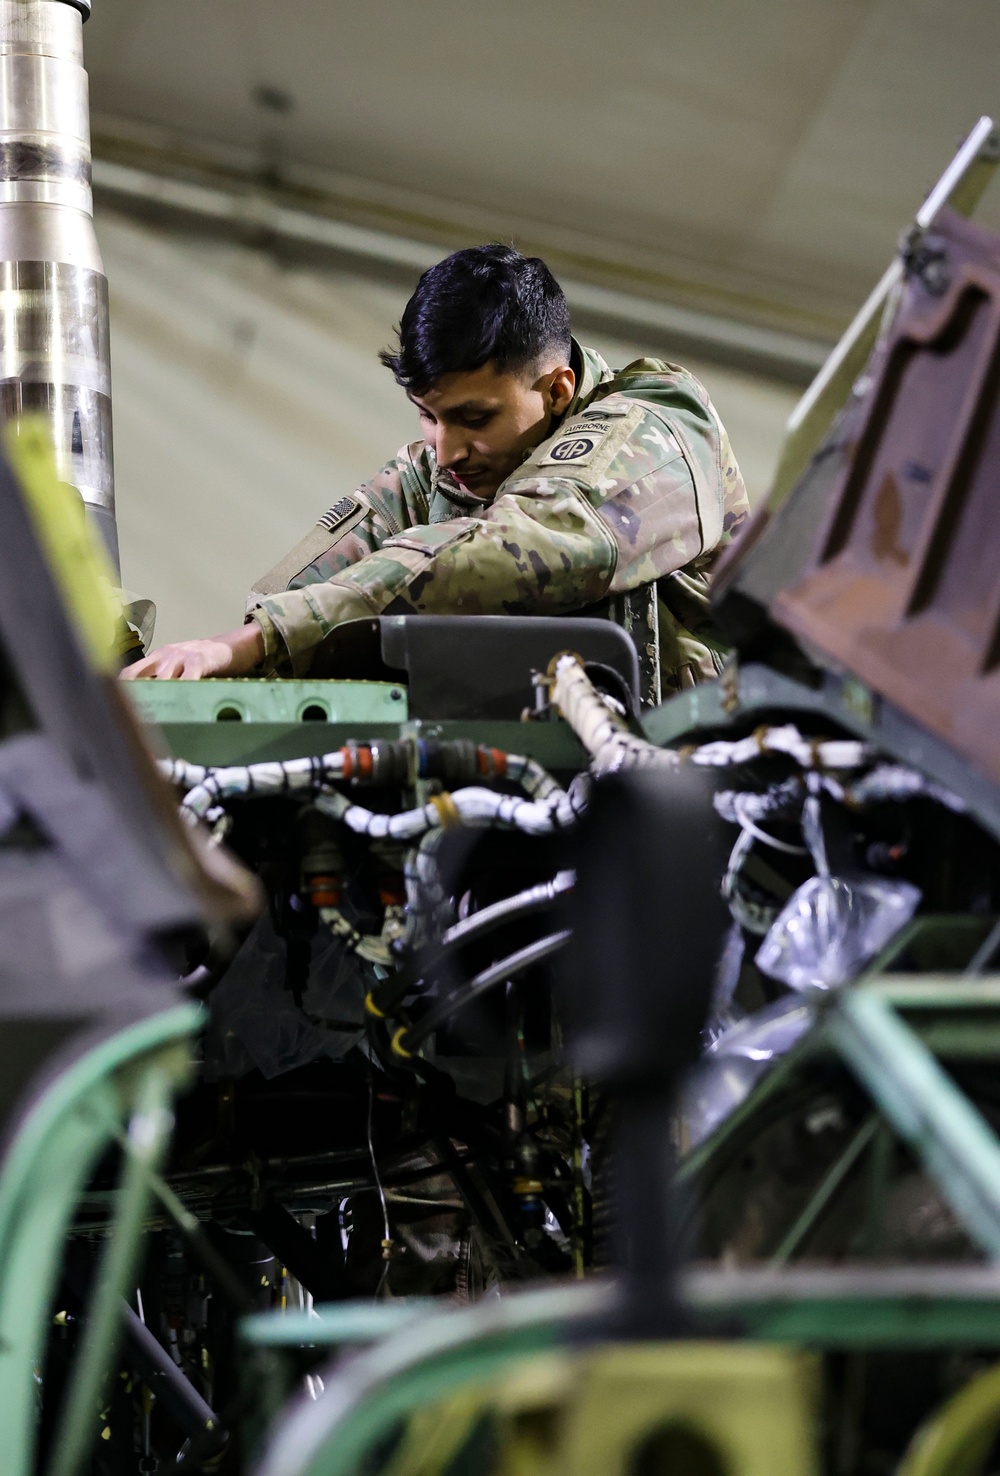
point(248, 397)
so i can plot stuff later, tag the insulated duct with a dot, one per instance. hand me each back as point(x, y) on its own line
point(54, 342)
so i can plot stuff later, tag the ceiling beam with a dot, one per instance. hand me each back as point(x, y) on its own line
point(250, 211)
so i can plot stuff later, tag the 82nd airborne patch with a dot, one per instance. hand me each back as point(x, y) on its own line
point(593, 438)
point(572, 448)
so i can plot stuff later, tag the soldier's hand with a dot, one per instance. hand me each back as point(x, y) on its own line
point(218, 656)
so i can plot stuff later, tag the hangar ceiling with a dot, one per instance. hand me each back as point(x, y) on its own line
point(751, 159)
point(750, 162)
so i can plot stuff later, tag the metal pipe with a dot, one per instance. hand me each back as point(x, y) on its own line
point(175, 1391)
point(234, 205)
point(55, 354)
point(525, 958)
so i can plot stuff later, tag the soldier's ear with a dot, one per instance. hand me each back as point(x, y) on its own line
point(560, 388)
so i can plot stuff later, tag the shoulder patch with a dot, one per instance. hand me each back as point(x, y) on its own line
point(575, 447)
point(592, 439)
point(339, 513)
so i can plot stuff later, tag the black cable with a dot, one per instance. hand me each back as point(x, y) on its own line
point(388, 995)
point(410, 1039)
point(386, 1229)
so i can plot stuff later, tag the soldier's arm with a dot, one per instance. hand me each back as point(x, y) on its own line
point(615, 499)
point(625, 493)
point(539, 551)
point(355, 527)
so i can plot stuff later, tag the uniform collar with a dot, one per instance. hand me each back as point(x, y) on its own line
point(591, 371)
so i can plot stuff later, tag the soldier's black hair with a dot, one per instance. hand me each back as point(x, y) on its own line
point(486, 303)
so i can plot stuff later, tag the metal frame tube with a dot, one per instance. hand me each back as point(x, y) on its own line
point(55, 357)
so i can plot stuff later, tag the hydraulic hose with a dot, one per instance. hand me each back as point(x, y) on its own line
point(387, 996)
point(604, 734)
point(460, 762)
point(612, 746)
point(408, 1040)
point(522, 904)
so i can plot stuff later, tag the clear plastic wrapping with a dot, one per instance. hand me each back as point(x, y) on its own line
point(832, 926)
point(737, 1060)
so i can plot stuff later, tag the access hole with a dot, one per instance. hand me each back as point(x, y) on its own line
point(315, 713)
point(229, 715)
point(677, 1449)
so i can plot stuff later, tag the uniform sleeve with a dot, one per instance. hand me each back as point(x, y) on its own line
point(668, 485)
point(625, 493)
point(355, 526)
point(539, 549)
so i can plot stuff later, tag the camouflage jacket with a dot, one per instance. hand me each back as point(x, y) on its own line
point(637, 486)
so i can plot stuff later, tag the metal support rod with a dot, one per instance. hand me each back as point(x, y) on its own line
point(825, 1191)
point(321, 1274)
point(176, 1393)
point(877, 1189)
point(55, 358)
point(226, 1279)
point(954, 1142)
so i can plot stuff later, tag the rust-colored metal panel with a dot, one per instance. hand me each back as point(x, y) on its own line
point(903, 586)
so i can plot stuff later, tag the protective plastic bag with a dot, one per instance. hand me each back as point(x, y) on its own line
point(832, 926)
point(724, 1012)
point(255, 1022)
point(736, 1062)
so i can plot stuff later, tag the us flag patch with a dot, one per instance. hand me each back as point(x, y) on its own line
point(339, 511)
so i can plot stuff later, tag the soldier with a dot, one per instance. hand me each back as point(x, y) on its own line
point(544, 483)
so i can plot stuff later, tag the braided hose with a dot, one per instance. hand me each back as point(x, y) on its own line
point(602, 732)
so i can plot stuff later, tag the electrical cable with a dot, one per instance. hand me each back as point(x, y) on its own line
point(745, 823)
point(389, 993)
point(409, 1039)
point(386, 1232)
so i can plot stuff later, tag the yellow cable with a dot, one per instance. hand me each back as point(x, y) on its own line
point(447, 810)
point(398, 1047)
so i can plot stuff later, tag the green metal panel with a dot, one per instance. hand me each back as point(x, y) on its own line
point(250, 700)
point(202, 739)
point(925, 1107)
point(222, 744)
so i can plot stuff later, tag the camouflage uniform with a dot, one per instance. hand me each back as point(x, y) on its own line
point(637, 487)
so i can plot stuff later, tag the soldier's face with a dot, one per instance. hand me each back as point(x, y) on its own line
point(481, 424)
